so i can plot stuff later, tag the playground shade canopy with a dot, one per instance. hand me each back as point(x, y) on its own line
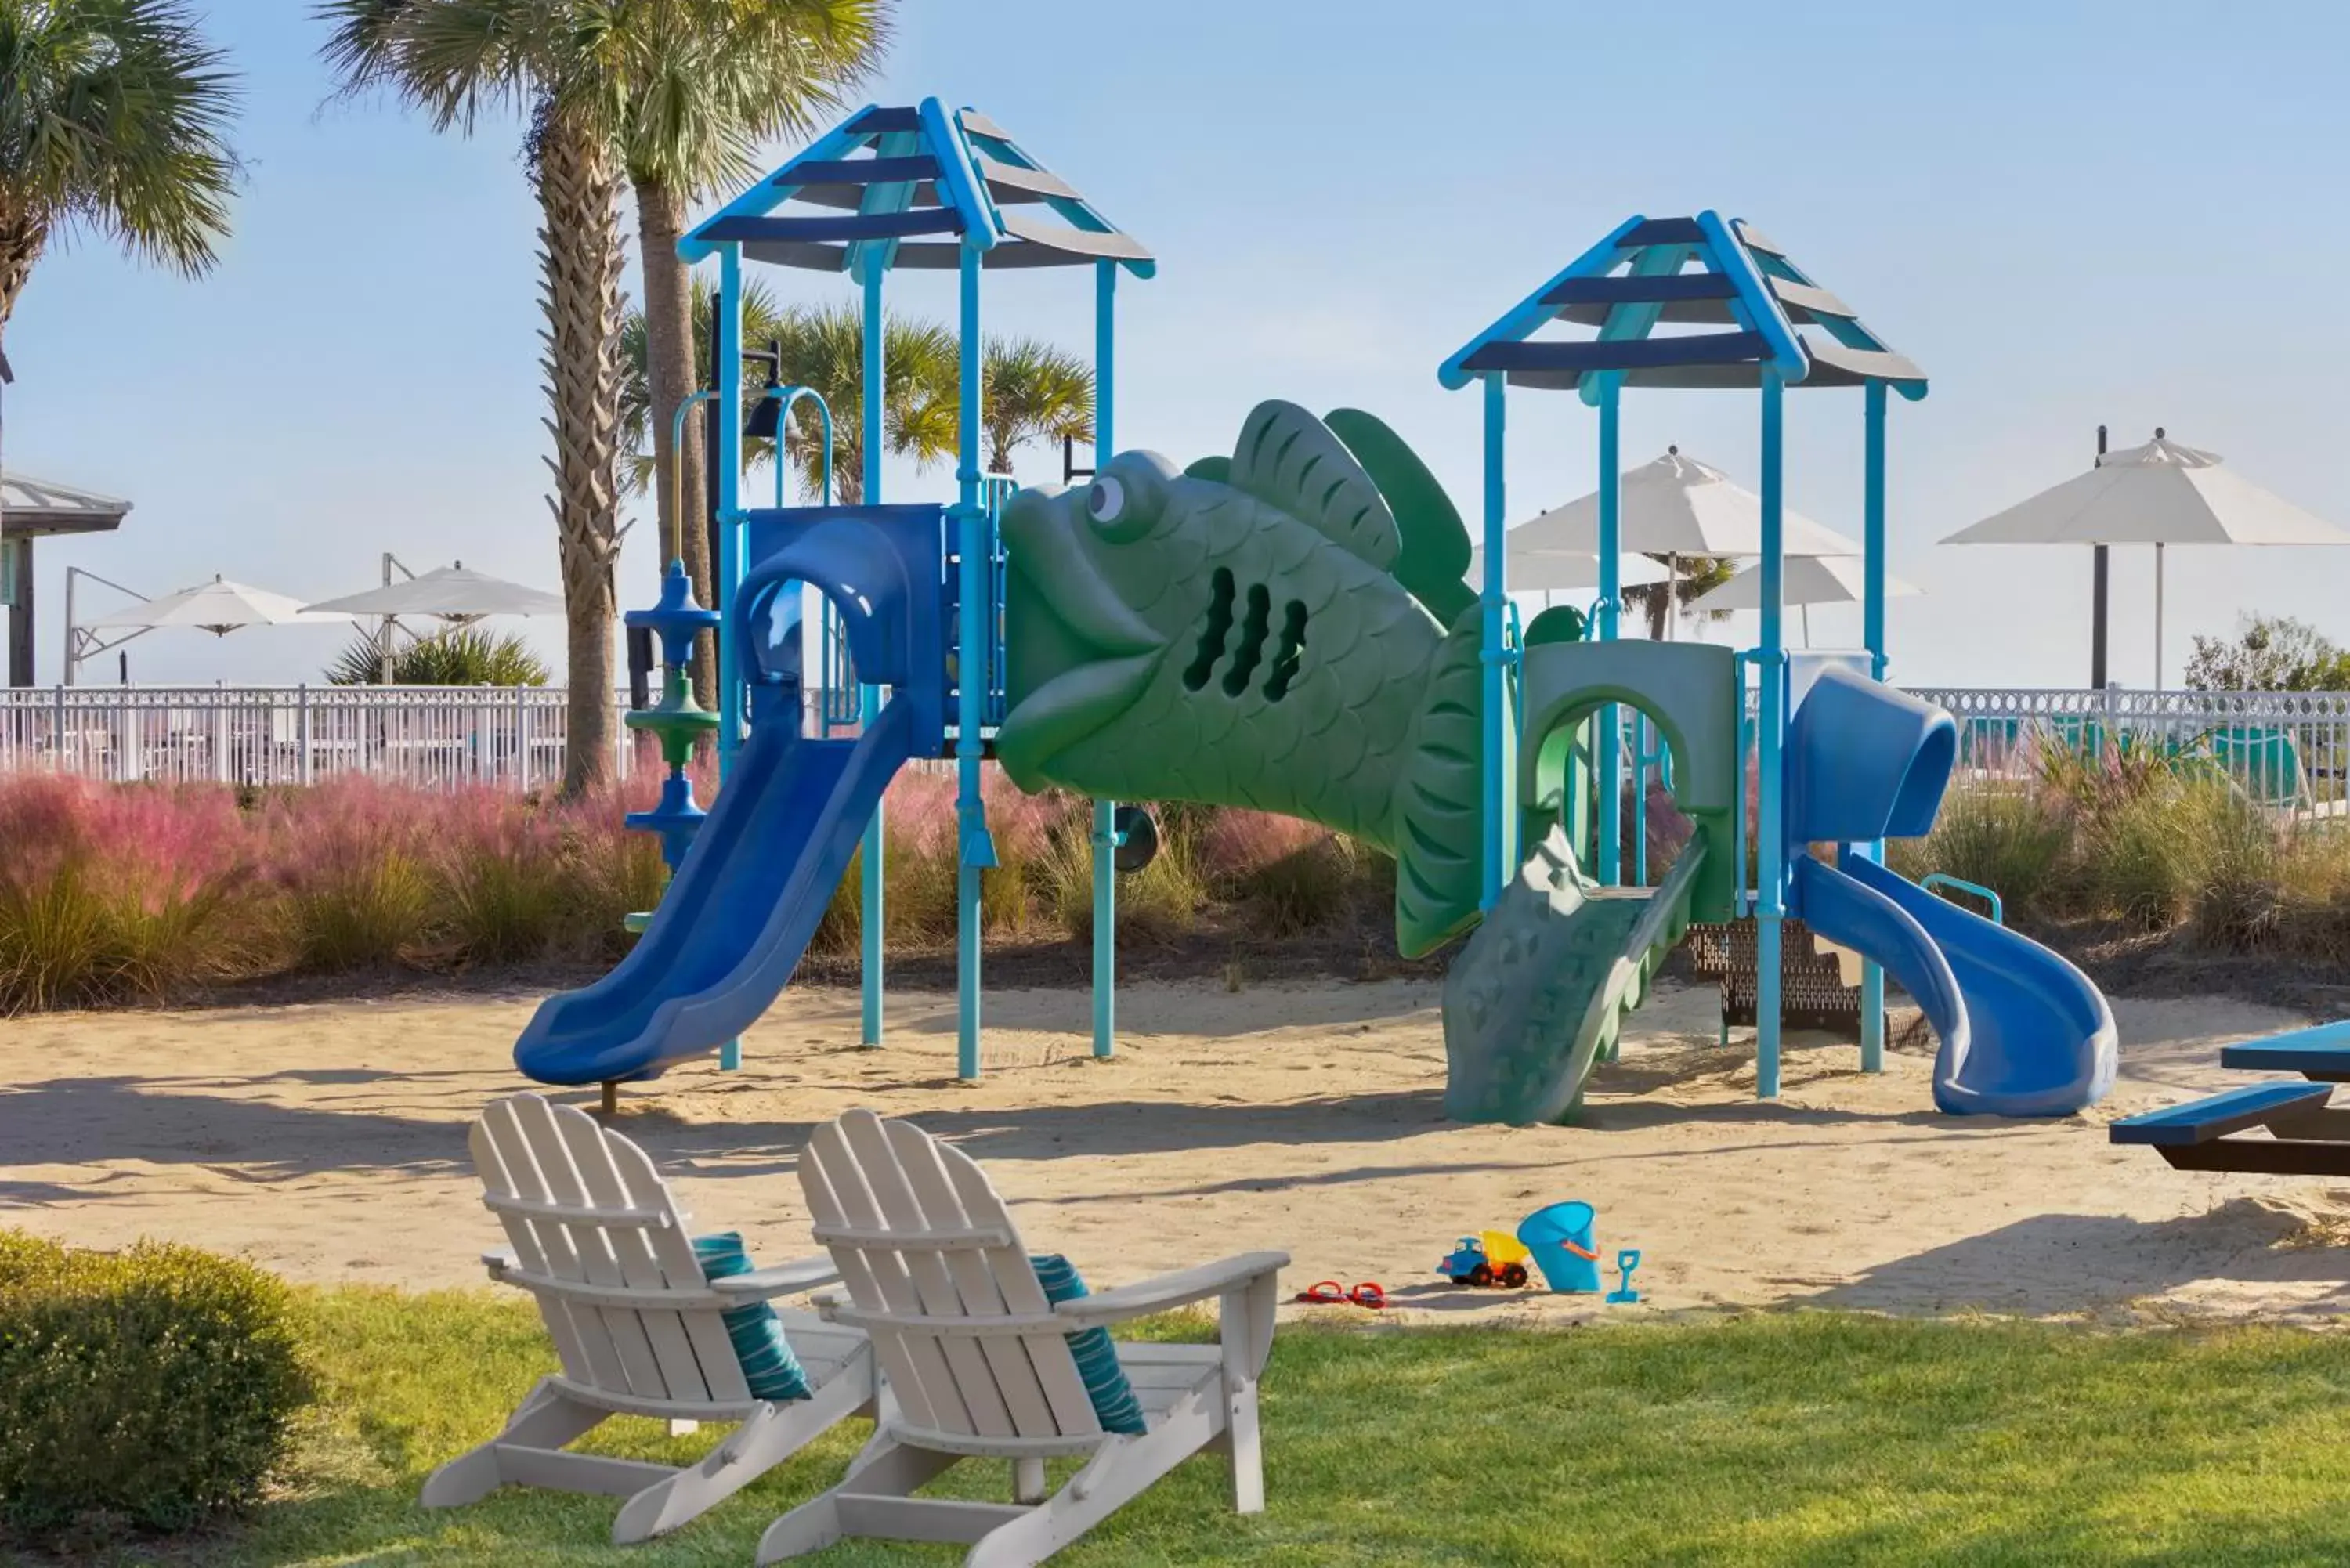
point(451, 592)
point(1677, 505)
point(219, 606)
point(1809, 580)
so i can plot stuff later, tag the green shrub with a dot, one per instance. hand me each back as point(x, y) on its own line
point(2003, 839)
point(151, 1388)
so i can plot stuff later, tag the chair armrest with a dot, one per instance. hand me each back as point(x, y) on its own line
point(779, 1279)
point(1171, 1291)
point(497, 1261)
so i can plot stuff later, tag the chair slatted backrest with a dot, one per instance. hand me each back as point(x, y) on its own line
point(924, 1243)
point(600, 1240)
point(2265, 763)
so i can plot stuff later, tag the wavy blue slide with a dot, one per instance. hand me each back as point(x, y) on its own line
point(739, 914)
point(2023, 1032)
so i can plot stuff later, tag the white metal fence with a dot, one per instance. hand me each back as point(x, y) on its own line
point(433, 736)
point(2290, 750)
point(2286, 748)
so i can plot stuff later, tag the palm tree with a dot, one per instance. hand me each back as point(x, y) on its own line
point(706, 85)
point(562, 62)
point(1034, 393)
point(824, 347)
point(1693, 575)
point(113, 119)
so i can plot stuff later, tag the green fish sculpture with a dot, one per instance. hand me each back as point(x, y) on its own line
point(1287, 629)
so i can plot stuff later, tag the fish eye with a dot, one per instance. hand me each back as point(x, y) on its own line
point(1106, 500)
point(1127, 496)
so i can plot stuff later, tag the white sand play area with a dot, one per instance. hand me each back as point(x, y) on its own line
point(327, 1142)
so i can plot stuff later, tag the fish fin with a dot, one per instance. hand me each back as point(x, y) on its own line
point(1440, 804)
point(1215, 469)
point(1288, 459)
point(1432, 558)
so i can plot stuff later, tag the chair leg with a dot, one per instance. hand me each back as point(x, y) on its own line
point(546, 1419)
point(772, 1434)
point(886, 1469)
point(1028, 1482)
point(1120, 1472)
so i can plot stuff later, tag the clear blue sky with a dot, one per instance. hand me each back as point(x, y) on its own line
point(2069, 213)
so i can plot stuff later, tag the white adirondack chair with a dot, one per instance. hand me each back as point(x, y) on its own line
point(599, 1238)
point(978, 1364)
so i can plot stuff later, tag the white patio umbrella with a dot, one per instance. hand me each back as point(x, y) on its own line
point(1676, 506)
point(2159, 493)
point(1557, 571)
point(450, 593)
point(219, 606)
point(1805, 580)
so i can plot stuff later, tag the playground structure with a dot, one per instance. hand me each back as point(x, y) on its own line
point(1289, 629)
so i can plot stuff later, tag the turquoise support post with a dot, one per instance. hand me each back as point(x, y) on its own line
point(1770, 832)
point(1104, 811)
point(1496, 657)
point(1872, 509)
point(975, 852)
point(730, 533)
point(1608, 775)
point(873, 877)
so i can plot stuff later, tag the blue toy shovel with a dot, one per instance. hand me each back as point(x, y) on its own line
point(1626, 1260)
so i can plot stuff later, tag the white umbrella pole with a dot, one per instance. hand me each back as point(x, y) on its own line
point(1807, 624)
point(2158, 618)
point(1673, 594)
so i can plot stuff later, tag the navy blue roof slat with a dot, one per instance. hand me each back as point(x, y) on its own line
point(846, 226)
point(2200, 1121)
point(877, 120)
point(1664, 231)
point(1641, 290)
point(858, 171)
point(1623, 353)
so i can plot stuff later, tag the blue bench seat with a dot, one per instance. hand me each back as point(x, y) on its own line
point(2196, 1136)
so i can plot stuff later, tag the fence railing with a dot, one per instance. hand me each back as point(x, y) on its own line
point(431, 736)
point(2289, 750)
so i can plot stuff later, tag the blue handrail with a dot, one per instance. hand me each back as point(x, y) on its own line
point(1944, 880)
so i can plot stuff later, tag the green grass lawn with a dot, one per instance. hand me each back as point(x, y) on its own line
point(1776, 1440)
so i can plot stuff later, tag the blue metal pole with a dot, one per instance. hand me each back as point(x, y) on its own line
point(1771, 848)
point(730, 534)
point(1104, 811)
point(973, 617)
point(1872, 977)
point(873, 878)
point(1496, 657)
point(1608, 776)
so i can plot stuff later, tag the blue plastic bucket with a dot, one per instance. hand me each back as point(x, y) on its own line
point(1546, 1233)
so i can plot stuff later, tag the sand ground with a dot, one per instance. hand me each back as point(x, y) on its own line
point(327, 1142)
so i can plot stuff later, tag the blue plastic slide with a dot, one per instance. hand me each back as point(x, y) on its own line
point(740, 912)
point(2022, 1033)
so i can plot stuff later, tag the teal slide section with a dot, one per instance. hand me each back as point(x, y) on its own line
point(1541, 992)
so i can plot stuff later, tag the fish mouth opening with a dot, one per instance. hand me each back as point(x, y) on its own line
point(1076, 656)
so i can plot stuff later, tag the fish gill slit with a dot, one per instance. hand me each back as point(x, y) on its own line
point(1251, 652)
point(1212, 634)
point(1289, 655)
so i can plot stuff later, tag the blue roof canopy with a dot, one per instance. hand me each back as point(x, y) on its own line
point(911, 187)
point(1639, 277)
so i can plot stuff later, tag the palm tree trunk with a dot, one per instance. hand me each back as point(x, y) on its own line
point(672, 375)
point(20, 247)
point(578, 186)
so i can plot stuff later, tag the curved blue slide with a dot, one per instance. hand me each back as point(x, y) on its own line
point(739, 913)
point(2023, 1033)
